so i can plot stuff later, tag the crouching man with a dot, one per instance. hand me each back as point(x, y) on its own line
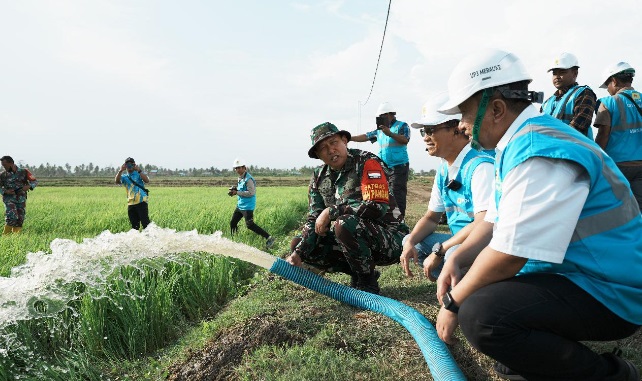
point(354, 223)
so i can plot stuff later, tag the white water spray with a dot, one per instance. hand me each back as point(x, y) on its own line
point(40, 286)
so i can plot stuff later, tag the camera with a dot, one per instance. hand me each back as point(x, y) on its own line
point(231, 190)
point(382, 121)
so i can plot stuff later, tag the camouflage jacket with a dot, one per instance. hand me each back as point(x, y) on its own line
point(362, 187)
point(14, 180)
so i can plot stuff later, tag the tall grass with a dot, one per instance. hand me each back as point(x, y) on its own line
point(141, 308)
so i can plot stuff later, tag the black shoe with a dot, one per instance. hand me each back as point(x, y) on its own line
point(624, 369)
point(368, 282)
point(506, 373)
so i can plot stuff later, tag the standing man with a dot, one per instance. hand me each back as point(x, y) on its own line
point(462, 188)
point(393, 136)
point(134, 181)
point(619, 124)
point(14, 184)
point(571, 103)
point(557, 260)
point(246, 203)
point(351, 227)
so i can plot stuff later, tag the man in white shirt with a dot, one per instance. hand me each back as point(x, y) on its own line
point(462, 188)
point(558, 257)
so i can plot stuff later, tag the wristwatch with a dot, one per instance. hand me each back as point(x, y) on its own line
point(449, 303)
point(436, 249)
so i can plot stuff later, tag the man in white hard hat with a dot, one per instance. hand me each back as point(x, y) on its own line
point(571, 103)
point(462, 187)
point(393, 136)
point(245, 192)
point(557, 260)
point(619, 124)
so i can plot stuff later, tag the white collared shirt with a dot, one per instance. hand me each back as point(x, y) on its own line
point(481, 184)
point(541, 202)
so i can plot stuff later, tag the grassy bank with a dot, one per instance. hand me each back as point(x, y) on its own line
point(281, 331)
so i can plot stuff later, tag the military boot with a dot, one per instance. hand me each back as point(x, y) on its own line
point(7, 229)
point(17, 229)
point(368, 282)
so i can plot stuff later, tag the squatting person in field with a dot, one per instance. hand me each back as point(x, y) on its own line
point(245, 192)
point(462, 187)
point(351, 226)
point(134, 180)
point(558, 258)
point(14, 184)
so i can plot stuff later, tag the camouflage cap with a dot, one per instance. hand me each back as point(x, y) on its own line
point(323, 131)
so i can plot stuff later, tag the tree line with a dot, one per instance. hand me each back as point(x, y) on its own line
point(91, 170)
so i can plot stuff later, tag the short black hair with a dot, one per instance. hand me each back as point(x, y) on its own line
point(625, 78)
point(7, 158)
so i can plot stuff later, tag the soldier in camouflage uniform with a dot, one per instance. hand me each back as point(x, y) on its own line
point(353, 223)
point(14, 184)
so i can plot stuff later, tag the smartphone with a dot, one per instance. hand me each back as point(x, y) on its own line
point(382, 121)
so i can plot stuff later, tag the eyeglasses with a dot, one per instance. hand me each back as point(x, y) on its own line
point(430, 130)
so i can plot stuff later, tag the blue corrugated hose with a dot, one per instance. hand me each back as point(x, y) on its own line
point(441, 364)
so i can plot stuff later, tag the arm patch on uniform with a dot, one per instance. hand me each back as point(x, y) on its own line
point(374, 184)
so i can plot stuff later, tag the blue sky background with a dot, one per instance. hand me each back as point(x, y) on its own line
point(198, 83)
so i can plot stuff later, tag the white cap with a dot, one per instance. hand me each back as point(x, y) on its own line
point(564, 61)
point(617, 68)
point(479, 71)
point(238, 163)
point(385, 108)
point(429, 114)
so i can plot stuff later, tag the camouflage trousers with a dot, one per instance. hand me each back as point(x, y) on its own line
point(14, 212)
point(356, 245)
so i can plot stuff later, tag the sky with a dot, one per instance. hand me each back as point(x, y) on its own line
point(196, 84)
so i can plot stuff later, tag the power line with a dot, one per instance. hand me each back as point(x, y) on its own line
point(380, 49)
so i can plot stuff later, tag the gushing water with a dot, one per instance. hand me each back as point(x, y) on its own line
point(40, 286)
point(39, 302)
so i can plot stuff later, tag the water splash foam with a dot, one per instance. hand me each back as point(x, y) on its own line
point(40, 287)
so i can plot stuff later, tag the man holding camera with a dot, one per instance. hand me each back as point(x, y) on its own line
point(131, 176)
point(14, 184)
point(245, 191)
point(393, 136)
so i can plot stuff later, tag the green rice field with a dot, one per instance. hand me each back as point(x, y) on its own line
point(142, 307)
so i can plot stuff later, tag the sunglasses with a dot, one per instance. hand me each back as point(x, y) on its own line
point(430, 130)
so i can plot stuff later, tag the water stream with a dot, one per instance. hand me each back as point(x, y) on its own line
point(44, 277)
point(46, 285)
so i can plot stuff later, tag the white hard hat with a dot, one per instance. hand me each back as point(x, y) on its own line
point(483, 70)
point(429, 114)
point(620, 67)
point(238, 163)
point(385, 108)
point(564, 61)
